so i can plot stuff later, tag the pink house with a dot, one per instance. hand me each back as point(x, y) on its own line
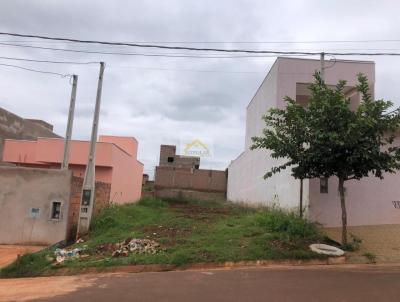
point(116, 161)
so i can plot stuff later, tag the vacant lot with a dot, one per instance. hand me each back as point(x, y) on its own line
point(187, 232)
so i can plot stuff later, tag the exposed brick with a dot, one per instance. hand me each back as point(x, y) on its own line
point(102, 200)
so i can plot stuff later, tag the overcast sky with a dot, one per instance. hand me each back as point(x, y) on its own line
point(169, 100)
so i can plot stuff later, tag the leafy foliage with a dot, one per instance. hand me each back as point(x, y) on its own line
point(328, 138)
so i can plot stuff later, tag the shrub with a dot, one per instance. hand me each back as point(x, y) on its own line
point(279, 221)
point(353, 245)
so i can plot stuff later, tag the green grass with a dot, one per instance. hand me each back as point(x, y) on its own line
point(189, 231)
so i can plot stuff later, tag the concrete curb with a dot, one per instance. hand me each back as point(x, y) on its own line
point(140, 268)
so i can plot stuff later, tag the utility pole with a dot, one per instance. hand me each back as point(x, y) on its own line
point(64, 165)
point(88, 188)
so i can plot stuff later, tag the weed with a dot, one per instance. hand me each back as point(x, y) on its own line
point(370, 257)
point(354, 244)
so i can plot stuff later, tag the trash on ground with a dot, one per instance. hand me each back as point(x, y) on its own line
point(63, 254)
point(326, 249)
point(80, 240)
point(137, 246)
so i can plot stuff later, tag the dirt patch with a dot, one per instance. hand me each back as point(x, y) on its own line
point(9, 253)
point(198, 212)
point(26, 289)
point(381, 240)
point(174, 234)
point(106, 248)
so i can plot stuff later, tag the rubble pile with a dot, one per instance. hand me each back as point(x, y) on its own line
point(137, 246)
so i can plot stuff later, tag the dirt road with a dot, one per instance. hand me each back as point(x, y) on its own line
point(326, 283)
point(8, 253)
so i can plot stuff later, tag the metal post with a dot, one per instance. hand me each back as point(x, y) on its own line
point(70, 123)
point(322, 66)
point(88, 188)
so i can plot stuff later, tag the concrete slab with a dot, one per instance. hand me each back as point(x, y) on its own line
point(381, 240)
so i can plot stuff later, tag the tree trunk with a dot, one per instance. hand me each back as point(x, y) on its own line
point(301, 198)
point(344, 214)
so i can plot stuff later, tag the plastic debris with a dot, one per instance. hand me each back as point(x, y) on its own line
point(326, 249)
point(63, 254)
point(80, 240)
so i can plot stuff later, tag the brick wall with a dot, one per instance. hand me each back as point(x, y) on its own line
point(189, 194)
point(193, 179)
point(102, 199)
point(209, 184)
point(177, 161)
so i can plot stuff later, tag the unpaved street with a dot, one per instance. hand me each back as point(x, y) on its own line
point(340, 283)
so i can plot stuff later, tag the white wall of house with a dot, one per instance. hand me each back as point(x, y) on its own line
point(287, 77)
point(246, 181)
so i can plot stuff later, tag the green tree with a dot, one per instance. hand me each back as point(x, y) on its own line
point(327, 138)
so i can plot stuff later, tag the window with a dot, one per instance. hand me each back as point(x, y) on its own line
point(34, 213)
point(323, 185)
point(56, 210)
point(170, 159)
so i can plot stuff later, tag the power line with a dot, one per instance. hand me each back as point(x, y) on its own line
point(143, 54)
point(9, 42)
point(146, 45)
point(47, 61)
point(126, 66)
point(35, 70)
point(238, 42)
point(185, 70)
point(198, 49)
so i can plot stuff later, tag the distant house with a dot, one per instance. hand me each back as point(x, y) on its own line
point(178, 175)
point(370, 201)
point(116, 161)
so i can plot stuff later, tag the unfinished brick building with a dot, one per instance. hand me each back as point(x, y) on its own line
point(181, 176)
point(169, 158)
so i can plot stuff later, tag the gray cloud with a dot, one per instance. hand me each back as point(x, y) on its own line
point(163, 100)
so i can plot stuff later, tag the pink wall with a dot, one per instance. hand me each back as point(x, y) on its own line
point(369, 201)
point(127, 178)
point(114, 164)
point(294, 70)
point(128, 144)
